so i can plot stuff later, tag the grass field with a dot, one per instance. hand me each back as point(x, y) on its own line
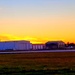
point(38, 63)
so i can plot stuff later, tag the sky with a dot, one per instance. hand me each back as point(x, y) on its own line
point(37, 20)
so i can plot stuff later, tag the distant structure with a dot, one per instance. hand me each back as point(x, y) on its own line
point(55, 45)
point(70, 45)
point(15, 45)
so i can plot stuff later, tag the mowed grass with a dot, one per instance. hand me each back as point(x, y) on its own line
point(38, 62)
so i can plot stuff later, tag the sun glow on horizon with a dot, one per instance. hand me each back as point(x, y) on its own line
point(7, 37)
point(33, 40)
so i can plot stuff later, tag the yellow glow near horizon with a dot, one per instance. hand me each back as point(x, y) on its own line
point(7, 37)
point(34, 40)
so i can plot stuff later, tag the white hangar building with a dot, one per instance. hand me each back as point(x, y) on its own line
point(15, 45)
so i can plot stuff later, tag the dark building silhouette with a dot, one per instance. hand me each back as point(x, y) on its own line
point(55, 45)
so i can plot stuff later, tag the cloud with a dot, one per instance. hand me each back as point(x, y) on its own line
point(4, 38)
point(8, 37)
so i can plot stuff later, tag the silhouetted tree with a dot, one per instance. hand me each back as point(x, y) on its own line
point(71, 44)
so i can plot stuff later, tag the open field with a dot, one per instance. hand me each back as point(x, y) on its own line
point(60, 62)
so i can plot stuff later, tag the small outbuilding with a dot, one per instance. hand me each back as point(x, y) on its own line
point(38, 46)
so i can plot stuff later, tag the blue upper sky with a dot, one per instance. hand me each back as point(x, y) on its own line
point(36, 7)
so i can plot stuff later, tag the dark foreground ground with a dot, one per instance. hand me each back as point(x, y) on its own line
point(52, 63)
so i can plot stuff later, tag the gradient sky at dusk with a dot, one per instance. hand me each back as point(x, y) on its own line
point(37, 20)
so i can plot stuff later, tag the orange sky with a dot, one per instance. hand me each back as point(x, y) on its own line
point(37, 21)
